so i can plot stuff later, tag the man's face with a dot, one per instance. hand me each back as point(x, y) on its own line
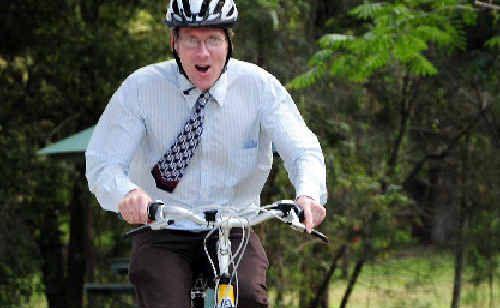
point(203, 54)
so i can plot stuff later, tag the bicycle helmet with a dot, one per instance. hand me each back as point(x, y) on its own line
point(201, 13)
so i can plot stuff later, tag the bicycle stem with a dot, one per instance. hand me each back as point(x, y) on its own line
point(224, 249)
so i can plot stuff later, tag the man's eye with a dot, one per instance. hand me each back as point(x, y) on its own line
point(214, 41)
point(192, 41)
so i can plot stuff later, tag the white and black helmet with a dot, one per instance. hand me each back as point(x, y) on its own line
point(201, 13)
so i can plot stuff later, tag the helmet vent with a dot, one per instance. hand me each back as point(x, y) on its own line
point(230, 11)
point(218, 7)
point(204, 9)
point(187, 7)
point(175, 7)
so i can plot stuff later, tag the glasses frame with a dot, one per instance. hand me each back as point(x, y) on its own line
point(211, 43)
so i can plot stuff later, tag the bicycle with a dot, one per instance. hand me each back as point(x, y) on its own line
point(223, 219)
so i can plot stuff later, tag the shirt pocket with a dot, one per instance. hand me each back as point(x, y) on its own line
point(244, 164)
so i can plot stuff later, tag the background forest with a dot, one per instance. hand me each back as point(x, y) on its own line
point(403, 96)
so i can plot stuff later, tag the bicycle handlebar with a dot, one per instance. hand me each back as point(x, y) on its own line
point(162, 216)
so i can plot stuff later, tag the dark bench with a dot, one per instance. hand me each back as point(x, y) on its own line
point(118, 266)
point(108, 288)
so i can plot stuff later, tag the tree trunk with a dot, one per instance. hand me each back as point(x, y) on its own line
point(310, 274)
point(490, 283)
point(320, 299)
point(53, 262)
point(344, 269)
point(304, 292)
point(459, 248)
point(78, 241)
point(352, 282)
point(459, 244)
point(89, 249)
point(49, 239)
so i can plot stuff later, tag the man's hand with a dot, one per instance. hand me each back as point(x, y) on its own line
point(314, 213)
point(134, 206)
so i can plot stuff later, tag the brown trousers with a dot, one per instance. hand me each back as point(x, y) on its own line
point(164, 265)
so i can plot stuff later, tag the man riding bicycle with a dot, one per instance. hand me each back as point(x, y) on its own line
point(193, 132)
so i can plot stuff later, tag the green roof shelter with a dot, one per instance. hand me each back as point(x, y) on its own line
point(74, 144)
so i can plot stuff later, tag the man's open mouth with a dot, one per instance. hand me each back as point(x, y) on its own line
point(202, 68)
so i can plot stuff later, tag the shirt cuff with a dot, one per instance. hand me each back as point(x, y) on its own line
point(109, 198)
point(310, 192)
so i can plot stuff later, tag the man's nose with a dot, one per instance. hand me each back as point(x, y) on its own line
point(203, 49)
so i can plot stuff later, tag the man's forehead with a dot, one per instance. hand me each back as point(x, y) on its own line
point(201, 31)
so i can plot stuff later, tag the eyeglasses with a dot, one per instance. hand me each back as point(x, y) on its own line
point(211, 43)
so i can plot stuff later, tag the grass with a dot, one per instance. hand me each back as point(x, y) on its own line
point(421, 280)
point(418, 279)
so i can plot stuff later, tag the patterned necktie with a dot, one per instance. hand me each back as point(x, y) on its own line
point(169, 170)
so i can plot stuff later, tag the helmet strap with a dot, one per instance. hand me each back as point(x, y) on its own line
point(229, 49)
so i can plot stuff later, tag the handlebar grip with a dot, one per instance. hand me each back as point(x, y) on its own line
point(153, 208)
point(300, 212)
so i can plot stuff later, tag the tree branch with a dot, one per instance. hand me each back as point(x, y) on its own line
point(406, 104)
point(403, 124)
point(441, 155)
point(488, 5)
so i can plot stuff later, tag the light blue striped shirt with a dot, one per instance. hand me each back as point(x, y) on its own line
point(232, 162)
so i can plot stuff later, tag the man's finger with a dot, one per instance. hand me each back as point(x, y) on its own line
point(308, 218)
point(144, 212)
point(319, 213)
point(135, 208)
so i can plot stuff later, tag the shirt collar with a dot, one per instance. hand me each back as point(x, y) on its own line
point(191, 93)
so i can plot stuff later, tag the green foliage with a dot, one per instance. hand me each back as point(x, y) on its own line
point(399, 37)
point(494, 42)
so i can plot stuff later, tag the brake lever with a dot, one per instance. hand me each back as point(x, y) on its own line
point(292, 218)
point(319, 235)
point(301, 227)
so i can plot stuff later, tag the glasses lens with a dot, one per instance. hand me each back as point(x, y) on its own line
point(210, 43)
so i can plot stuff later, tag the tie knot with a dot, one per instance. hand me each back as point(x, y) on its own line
point(203, 99)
